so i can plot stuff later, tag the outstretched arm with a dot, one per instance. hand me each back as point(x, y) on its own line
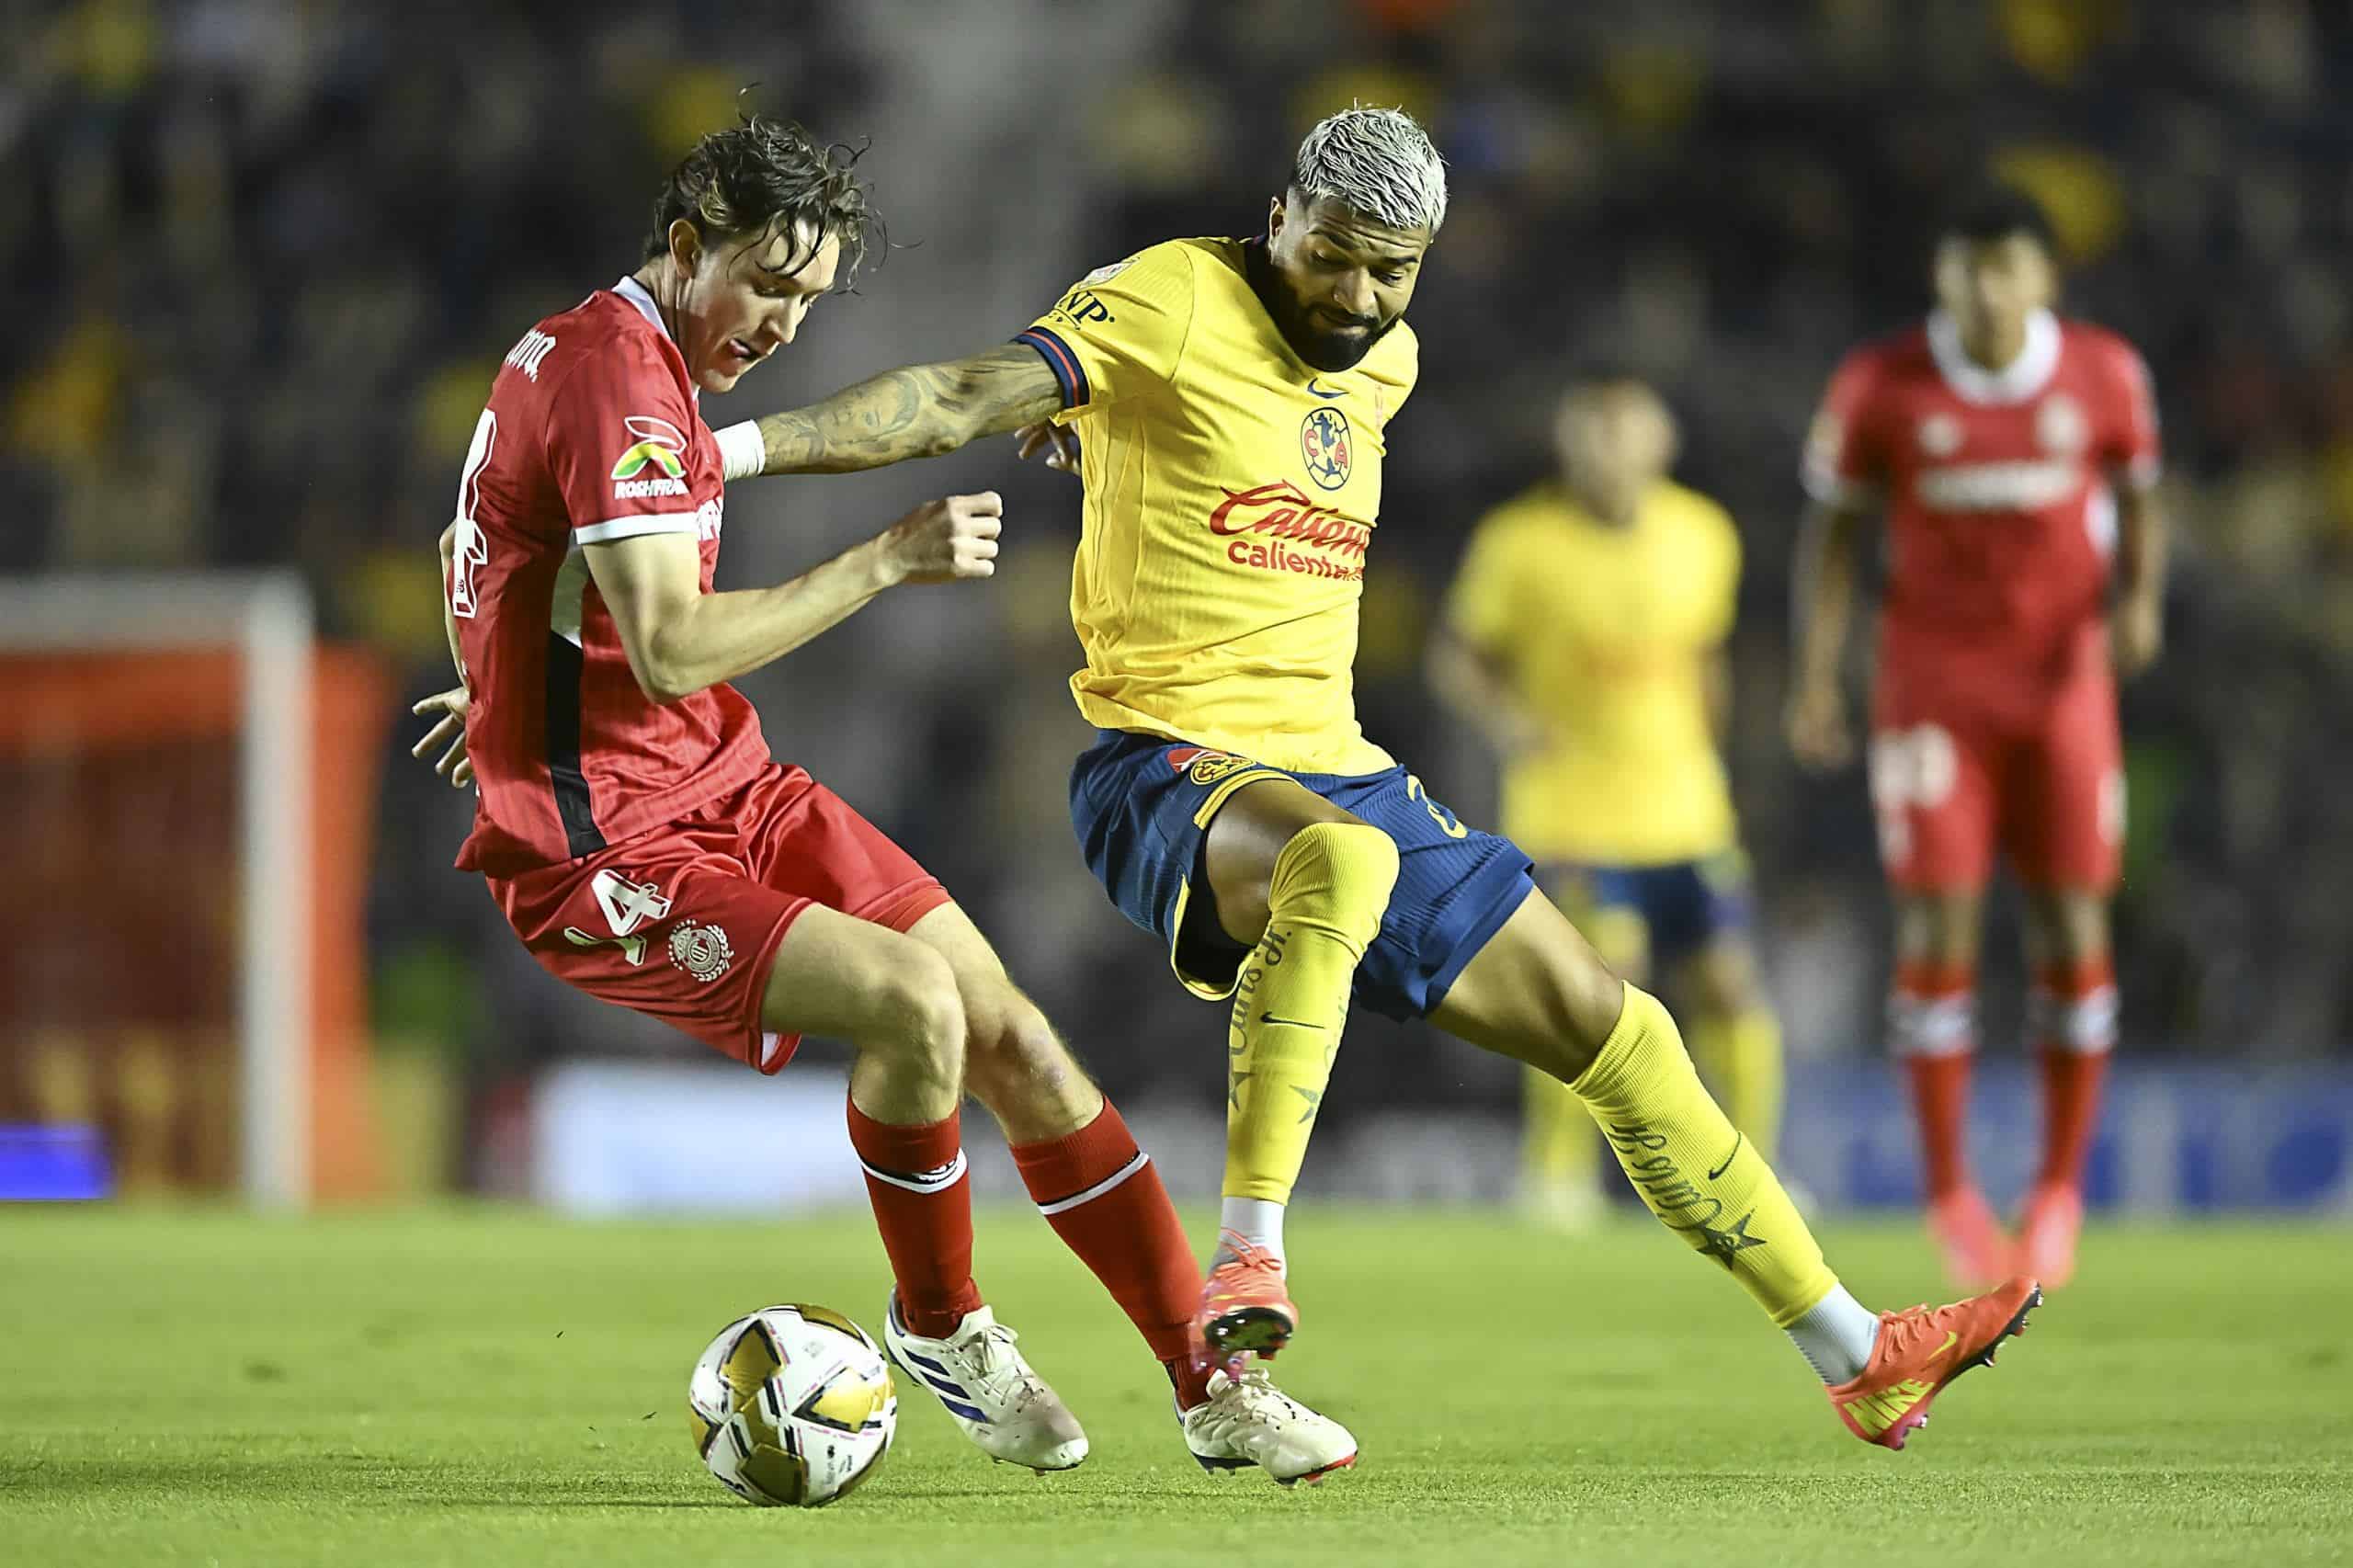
point(679, 639)
point(919, 411)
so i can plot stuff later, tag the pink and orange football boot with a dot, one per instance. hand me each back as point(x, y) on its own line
point(1245, 1303)
point(1919, 1351)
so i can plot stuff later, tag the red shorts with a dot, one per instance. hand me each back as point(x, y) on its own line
point(2045, 784)
point(682, 923)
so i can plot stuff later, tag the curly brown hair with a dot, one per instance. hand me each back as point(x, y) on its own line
point(764, 176)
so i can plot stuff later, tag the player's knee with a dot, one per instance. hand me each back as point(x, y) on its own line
point(1938, 928)
point(919, 1024)
point(1012, 1056)
point(2069, 927)
point(1341, 871)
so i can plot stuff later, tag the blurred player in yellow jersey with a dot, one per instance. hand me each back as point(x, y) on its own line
point(1585, 637)
point(1232, 401)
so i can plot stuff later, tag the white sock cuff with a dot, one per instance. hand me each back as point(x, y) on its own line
point(1258, 1220)
point(2084, 1024)
point(1932, 1025)
point(936, 1180)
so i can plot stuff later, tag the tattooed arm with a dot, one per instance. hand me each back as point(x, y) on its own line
point(920, 410)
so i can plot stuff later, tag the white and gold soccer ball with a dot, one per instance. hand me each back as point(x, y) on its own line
point(792, 1406)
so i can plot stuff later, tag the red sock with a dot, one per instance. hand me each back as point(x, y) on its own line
point(923, 1206)
point(2075, 1008)
point(1930, 1015)
point(1102, 1195)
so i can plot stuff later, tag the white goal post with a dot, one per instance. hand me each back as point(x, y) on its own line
point(267, 619)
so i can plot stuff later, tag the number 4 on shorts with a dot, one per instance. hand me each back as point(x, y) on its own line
point(627, 905)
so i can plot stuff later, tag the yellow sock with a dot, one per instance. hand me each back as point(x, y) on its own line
point(1741, 1054)
point(1703, 1180)
point(1559, 1142)
point(1324, 902)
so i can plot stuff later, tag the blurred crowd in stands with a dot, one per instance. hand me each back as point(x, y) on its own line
point(267, 253)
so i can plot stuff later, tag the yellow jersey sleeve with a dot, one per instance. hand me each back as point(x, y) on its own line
point(1483, 606)
point(1723, 567)
point(1120, 331)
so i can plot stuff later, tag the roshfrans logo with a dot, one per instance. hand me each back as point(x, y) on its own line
point(659, 444)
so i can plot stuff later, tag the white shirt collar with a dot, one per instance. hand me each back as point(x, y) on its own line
point(2014, 382)
point(629, 288)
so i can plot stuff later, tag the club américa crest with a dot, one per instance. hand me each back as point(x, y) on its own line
point(1324, 442)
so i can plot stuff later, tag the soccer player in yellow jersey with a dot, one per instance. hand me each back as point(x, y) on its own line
point(1234, 400)
point(1584, 636)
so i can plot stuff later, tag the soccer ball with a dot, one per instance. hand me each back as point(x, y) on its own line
point(793, 1406)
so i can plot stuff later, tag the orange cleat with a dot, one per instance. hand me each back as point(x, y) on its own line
point(2047, 1230)
point(1244, 1305)
point(1921, 1350)
point(1975, 1251)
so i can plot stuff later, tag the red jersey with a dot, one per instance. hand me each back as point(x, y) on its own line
point(1997, 489)
point(592, 433)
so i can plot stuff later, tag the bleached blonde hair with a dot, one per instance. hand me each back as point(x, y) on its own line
point(1379, 162)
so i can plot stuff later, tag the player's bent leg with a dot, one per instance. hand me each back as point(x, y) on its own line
point(1540, 993)
point(1932, 1030)
point(1703, 1180)
point(1014, 1062)
point(894, 999)
point(1095, 1186)
point(897, 1000)
point(2072, 1012)
point(1307, 883)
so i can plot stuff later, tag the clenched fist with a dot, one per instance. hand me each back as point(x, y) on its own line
point(947, 540)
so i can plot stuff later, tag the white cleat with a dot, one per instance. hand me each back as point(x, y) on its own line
point(1248, 1420)
point(988, 1390)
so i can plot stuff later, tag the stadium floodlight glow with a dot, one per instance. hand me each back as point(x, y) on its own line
point(266, 616)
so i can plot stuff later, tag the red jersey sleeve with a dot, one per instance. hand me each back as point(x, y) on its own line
point(1845, 458)
point(2128, 445)
point(620, 441)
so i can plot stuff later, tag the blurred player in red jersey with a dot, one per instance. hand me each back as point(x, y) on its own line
point(648, 849)
point(2015, 455)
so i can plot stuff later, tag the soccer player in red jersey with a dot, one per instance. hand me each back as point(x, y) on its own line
point(2015, 456)
point(648, 849)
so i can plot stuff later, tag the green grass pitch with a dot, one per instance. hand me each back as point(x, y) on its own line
point(485, 1387)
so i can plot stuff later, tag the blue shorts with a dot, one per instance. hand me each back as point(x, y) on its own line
point(1141, 806)
point(1682, 905)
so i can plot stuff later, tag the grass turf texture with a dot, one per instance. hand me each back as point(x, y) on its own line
point(485, 1387)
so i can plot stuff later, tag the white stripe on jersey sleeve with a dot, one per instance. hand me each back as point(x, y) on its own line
point(631, 527)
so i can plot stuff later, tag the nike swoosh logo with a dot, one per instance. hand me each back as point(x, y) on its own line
point(1738, 1138)
point(1294, 1023)
point(1319, 392)
point(1951, 1339)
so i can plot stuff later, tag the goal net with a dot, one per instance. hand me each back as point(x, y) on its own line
point(187, 782)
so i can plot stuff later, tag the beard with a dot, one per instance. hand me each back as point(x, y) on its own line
point(1321, 345)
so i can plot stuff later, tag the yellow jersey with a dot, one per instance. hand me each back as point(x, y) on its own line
point(1231, 496)
point(1606, 634)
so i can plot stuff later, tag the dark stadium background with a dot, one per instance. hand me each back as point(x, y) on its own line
point(265, 257)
